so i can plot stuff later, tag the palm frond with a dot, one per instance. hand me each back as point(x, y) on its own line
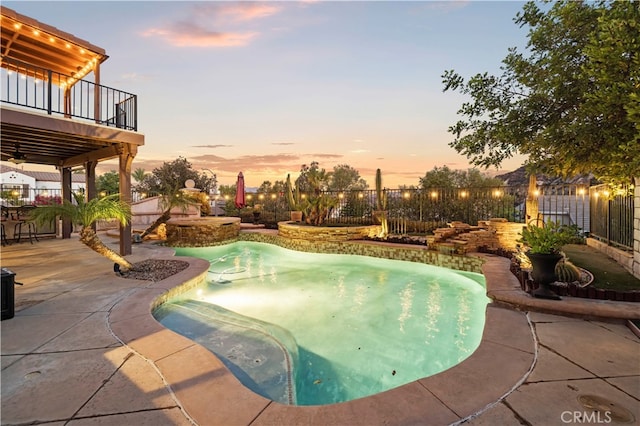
point(85, 213)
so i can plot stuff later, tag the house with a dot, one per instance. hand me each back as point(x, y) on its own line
point(69, 125)
point(19, 187)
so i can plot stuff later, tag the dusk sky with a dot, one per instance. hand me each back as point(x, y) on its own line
point(264, 87)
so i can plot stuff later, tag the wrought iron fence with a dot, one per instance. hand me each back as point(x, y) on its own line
point(598, 211)
point(566, 204)
point(28, 86)
point(612, 215)
point(422, 210)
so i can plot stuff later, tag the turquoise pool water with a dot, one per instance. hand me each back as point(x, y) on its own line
point(309, 329)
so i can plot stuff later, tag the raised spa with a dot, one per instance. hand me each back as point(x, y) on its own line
point(309, 329)
point(201, 231)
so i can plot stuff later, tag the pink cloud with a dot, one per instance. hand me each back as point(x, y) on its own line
point(202, 27)
point(188, 35)
point(247, 11)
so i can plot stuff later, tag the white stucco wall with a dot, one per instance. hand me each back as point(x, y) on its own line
point(16, 178)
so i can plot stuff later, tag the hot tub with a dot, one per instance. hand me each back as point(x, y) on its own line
point(201, 231)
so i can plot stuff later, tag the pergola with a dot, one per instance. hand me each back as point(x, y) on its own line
point(40, 137)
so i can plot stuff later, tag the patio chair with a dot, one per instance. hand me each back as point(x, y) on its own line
point(3, 235)
point(25, 224)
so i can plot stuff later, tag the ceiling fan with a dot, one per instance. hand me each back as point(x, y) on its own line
point(18, 157)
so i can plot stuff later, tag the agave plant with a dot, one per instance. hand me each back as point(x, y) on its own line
point(85, 214)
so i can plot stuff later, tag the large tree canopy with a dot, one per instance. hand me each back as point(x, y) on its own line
point(444, 177)
point(346, 178)
point(171, 177)
point(572, 104)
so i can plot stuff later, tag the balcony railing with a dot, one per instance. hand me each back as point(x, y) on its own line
point(37, 88)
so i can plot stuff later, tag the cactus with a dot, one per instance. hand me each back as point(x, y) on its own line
point(381, 200)
point(567, 272)
point(381, 196)
point(290, 197)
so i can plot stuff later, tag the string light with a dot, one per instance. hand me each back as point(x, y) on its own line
point(90, 65)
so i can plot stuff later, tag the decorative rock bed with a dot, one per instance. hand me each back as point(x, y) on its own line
point(202, 231)
point(298, 231)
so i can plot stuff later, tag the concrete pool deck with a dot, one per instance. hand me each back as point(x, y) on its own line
point(84, 349)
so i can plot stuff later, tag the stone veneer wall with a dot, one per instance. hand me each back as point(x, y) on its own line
point(387, 251)
point(506, 233)
point(201, 232)
point(327, 233)
point(492, 234)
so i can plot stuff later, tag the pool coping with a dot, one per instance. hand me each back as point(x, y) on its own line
point(210, 394)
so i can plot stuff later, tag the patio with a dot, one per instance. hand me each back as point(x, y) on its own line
point(84, 349)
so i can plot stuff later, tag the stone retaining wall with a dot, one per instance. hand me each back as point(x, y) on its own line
point(406, 252)
point(327, 233)
point(623, 258)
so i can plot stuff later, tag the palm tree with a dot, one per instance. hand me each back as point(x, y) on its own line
point(85, 214)
point(138, 174)
point(167, 202)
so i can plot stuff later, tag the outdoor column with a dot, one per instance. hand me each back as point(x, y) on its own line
point(90, 182)
point(126, 159)
point(65, 178)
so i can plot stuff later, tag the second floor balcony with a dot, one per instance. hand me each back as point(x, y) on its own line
point(54, 93)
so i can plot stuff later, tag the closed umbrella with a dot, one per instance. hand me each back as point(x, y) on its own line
point(240, 191)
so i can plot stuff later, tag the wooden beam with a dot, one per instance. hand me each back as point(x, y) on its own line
point(98, 155)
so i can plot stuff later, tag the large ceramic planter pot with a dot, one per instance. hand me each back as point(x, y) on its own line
point(544, 273)
point(296, 216)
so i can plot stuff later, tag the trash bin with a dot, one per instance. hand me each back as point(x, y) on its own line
point(7, 293)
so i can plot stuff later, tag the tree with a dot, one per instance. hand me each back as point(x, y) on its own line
point(312, 182)
point(109, 183)
point(444, 177)
point(85, 214)
point(313, 179)
point(571, 105)
point(174, 175)
point(346, 178)
point(267, 187)
point(138, 174)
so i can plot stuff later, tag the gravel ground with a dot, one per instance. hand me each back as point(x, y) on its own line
point(154, 269)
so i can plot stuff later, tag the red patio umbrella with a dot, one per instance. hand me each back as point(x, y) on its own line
point(240, 191)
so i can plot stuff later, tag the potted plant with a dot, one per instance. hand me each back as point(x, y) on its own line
point(543, 250)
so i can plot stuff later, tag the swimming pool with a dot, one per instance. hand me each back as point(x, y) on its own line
point(309, 329)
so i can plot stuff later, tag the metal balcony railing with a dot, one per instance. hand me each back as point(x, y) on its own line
point(37, 88)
